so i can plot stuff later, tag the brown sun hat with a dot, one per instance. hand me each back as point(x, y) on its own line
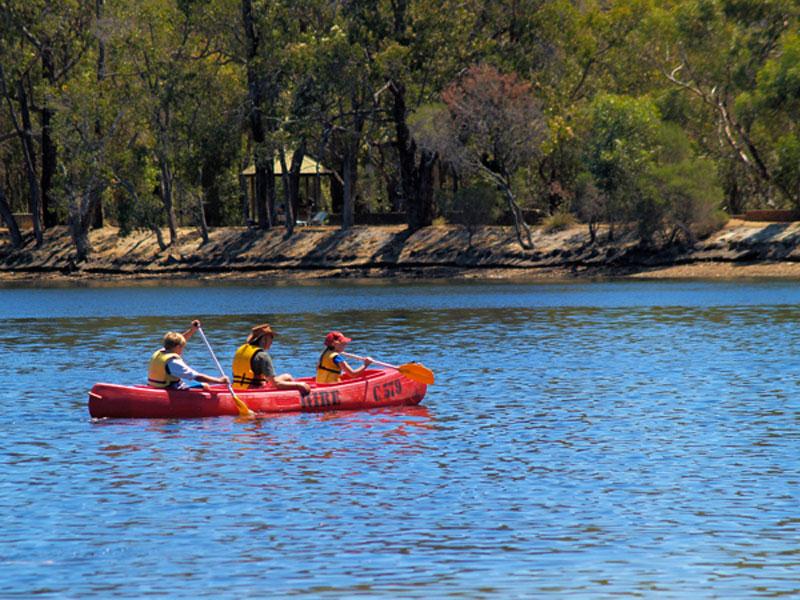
point(260, 331)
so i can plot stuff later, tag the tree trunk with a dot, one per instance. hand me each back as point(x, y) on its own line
point(162, 245)
point(416, 182)
point(10, 221)
point(49, 153)
point(421, 211)
point(244, 192)
point(165, 182)
point(349, 173)
point(81, 212)
point(80, 237)
point(272, 207)
point(49, 157)
point(201, 218)
point(521, 228)
point(260, 190)
point(263, 180)
point(97, 214)
point(288, 213)
point(209, 184)
point(293, 204)
point(34, 198)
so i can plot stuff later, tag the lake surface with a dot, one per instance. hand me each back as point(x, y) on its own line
point(583, 441)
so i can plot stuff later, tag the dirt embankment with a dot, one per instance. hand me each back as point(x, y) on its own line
point(740, 249)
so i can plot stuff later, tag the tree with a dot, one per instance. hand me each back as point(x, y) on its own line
point(494, 127)
point(718, 50)
point(645, 172)
point(621, 143)
point(46, 41)
point(414, 49)
point(185, 93)
point(264, 28)
point(589, 204)
point(778, 94)
point(476, 205)
point(87, 153)
point(24, 129)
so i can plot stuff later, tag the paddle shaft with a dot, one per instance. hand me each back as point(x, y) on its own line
point(239, 403)
point(362, 358)
point(413, 371)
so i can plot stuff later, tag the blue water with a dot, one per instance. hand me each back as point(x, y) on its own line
point(582, 441)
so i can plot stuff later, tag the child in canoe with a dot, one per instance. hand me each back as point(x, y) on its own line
point(167, 368)
point(331, 362)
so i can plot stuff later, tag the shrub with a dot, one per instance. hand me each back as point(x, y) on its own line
point(558, 222)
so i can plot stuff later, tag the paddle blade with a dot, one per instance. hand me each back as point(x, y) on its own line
point(417, 372)
point(243, 409)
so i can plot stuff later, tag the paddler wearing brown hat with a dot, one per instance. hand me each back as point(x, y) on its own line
point(252, 364)
point(331, 362)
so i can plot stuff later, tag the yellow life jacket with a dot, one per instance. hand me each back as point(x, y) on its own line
point(327, 370)
point(157, 375)
point(243, 375)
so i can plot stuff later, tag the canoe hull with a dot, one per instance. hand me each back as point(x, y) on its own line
point(375, 388)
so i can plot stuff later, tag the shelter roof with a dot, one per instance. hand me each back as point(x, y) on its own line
point(309, 167)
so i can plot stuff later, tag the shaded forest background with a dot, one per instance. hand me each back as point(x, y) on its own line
point(659, 118)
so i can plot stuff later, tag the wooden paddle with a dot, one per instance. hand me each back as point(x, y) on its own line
point(244, 411)
point(414, 371)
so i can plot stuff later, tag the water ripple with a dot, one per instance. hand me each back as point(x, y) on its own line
point(583, 441)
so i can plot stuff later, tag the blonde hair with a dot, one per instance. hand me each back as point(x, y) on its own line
point(172, 339)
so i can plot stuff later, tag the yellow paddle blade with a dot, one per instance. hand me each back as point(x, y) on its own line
point(417, 372)
point(244, 411)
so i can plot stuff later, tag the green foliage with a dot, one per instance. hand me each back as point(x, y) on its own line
point(575, 112)
point(473, 206)
point(645, 172)
point(689, 194)
point(134, 204)
point(621, 144)
point(779, 79)
point(479, 204)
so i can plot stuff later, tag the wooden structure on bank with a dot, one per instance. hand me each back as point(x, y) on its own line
point(773, 215)
point(311, 174)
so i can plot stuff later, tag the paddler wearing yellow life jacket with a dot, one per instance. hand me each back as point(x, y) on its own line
point(167, 368)
point(332, 363)
point(252, 364)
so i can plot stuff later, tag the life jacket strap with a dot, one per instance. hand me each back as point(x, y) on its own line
point(324, 368)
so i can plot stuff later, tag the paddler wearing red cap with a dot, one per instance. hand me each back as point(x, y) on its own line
point(252, 364)
point(332, 363)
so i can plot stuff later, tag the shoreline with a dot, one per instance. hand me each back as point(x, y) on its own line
point(738, 251)
point(719, 271)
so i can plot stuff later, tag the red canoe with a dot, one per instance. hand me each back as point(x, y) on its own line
point(372, 389)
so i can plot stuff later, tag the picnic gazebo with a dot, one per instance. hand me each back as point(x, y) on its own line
point(311, 174)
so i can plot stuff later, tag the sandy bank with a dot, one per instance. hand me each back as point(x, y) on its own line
point(741, 249)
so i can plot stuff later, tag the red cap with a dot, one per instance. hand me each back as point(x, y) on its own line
point(336, 336)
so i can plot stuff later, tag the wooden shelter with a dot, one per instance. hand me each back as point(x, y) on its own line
point(311, 174)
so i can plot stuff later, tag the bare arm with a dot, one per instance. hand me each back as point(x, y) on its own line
point(203, 378)
point(190, 332)
point(285, 382)
point(351, 371)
